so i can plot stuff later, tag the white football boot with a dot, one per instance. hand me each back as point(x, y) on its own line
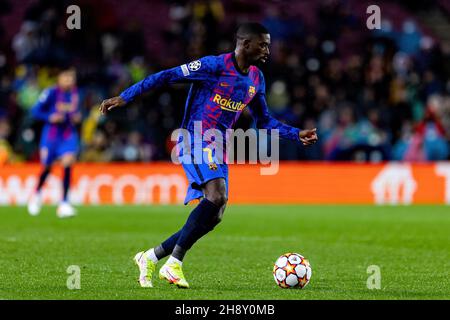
point(35, 205)
point(146, 268)
point(65, 210)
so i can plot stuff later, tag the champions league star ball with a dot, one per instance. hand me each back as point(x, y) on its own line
point(292, 270)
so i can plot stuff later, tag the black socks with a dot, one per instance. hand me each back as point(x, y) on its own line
point(66, 182)
point(43, 177)
point(202, 219)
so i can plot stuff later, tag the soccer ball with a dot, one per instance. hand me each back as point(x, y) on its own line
point(292, 270)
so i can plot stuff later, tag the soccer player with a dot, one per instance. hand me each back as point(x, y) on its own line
point(58, 108)
point(222, 86)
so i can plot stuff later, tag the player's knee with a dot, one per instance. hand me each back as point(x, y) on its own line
point(215, 191)
point(68, 160)
point(218, 198)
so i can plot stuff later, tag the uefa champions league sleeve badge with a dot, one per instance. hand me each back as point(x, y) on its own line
point(194, 65)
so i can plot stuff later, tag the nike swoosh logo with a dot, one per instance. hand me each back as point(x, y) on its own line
point(225, 84)
point(172, 277)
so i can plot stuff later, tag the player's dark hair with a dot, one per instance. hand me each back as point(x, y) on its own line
point(250, 29)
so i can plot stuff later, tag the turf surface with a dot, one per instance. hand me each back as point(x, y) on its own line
point(410, 244)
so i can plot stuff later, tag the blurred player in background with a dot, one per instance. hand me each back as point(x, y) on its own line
point(222, 86)
point(58, 108)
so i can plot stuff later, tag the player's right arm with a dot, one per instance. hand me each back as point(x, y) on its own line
point(199, 70)
point(41, 110)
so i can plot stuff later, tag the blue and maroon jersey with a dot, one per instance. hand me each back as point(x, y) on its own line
point(218, 94)
point(54, 100)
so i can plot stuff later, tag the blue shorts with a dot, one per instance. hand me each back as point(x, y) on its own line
point(201, 172)
point(53, 149)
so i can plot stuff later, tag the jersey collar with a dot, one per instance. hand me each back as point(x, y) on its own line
point(236, 66)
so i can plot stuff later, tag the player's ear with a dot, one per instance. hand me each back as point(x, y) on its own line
point(246, 43)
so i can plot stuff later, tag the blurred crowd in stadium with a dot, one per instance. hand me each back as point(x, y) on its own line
point(373, 94)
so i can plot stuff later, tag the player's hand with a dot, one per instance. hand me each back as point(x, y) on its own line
point(308, 137)
point(56, 118)
point(112, 103)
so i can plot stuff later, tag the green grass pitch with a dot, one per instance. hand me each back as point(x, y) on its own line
point(410, 244)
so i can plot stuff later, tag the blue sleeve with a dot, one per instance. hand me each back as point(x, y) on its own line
point(41, 110)
point(260, 111)
point(199, 70)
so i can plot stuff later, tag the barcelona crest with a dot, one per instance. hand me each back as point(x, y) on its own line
point(251, 91)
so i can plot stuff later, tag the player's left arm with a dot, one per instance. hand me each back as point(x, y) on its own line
point(260, 112)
